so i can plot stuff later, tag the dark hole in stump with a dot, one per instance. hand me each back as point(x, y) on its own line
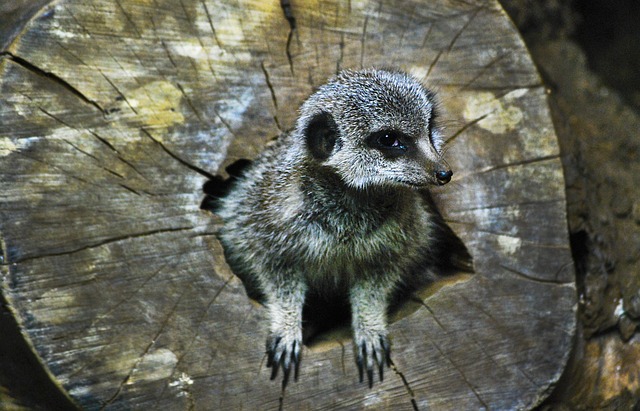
point(322, 314)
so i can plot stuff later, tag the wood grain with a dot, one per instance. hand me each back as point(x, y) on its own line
point(114, 114)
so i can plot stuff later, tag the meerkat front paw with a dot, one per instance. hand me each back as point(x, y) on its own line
point(283, 351)
point(372, 349)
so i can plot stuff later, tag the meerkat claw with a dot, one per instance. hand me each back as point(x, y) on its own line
point(370, 354)
point(283, 355)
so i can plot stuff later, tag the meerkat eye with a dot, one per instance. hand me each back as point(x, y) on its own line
point(388, 140)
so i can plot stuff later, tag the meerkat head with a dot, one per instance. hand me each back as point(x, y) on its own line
point(374, 128)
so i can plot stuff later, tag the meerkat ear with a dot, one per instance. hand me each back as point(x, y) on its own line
point(321, 134)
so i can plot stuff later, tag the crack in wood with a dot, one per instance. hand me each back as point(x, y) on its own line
point(190, 398)
point(412, 396)
point(464, 128)
point(202, 317)
point(54, 117)
point(494, 88)
point(176, 157)
point(78, 23)
point(64, 172)
point(564, 266)
point(517, 163)
point(100, 317)
point(126, 187)
point(363, 41)
point(524, 241)
point(274, 99)
point(133, 167)
point(224, 122)
point(240, 326)
point(86, 153)
point(189, 102)
point(453, 41)
point(120, 93)
point(531, 278)
point(168, 53)
point(498, 365)
point(115, 150)
point(26, 64)
point(193, 23)
point(420, 301)
point(146, 351)
point(500, 326)
point(504, 205)
point(213, 29)
point(432, 65)
point(112, 172)
point(204, 234)
point(103, 243)
point(427, 35)
point(458, 369)
point(407, 27)
point(98, 137)
point(343, 356)
point(484, 70)
point(281, 402)
point(187, 348)
point(463, 28)
point(129, 19)
point(462, 374)
point(341, 56)
point(287, 9)
point(75, 56)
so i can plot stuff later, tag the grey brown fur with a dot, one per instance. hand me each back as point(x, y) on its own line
point(337, 206)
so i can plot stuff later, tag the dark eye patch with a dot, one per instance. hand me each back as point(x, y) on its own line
point(390, 142)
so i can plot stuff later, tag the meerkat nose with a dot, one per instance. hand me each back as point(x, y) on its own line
point(443, 176)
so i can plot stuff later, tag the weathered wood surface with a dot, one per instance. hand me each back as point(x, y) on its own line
point(113, 115)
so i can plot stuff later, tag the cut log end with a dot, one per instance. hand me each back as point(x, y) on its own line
point(115, 115)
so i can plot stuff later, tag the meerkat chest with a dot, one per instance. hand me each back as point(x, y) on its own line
point(328, 240)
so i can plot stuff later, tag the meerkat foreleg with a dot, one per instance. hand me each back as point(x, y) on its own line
point(369, 303)
point(284, 344)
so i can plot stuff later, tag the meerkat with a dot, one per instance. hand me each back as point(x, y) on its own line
point(337, 206)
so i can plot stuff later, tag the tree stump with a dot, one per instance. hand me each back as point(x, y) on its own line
point(114, 114)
